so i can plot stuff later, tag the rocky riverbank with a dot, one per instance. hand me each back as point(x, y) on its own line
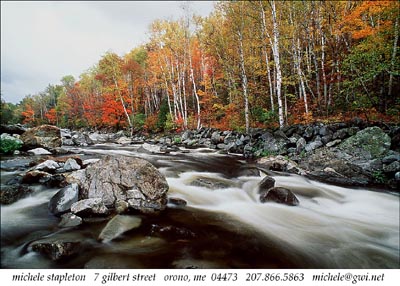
point(352, 153)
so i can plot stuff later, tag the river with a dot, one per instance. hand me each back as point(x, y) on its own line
point(227, 227)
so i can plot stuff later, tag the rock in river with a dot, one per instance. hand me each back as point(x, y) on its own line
point(58, 246)
point(70, 220)
point(279, 195)
point(118, 225)
point(267, 183)
point(88, 207)
point(118, 178)
point(62, 201)
point(11, 194)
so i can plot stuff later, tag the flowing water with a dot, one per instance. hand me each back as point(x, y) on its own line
point(333, 227)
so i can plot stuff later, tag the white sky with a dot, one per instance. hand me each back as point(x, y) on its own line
point(43, 41)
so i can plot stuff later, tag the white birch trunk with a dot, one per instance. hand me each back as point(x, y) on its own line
point(277, 64)
point(244, 82)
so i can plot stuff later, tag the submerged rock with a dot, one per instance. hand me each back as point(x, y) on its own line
point(279, 195)
point(177, 202)
point(11, 194)
point(118, 225)
point(70, 220)
point(58, 247)
point(212, 183)
point(171, 232)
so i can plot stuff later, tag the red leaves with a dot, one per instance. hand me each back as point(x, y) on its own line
point(51, 116)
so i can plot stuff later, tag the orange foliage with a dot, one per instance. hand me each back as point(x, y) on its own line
point(112, 112)
point(363, 22)
point(29, 115)
point(51, 116)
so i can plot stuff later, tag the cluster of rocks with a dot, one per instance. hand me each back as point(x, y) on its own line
point(87, 138)
point(269, 193)
point(114, 188)
point(351, 153)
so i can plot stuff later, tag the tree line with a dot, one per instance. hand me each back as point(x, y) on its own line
point(248, 64)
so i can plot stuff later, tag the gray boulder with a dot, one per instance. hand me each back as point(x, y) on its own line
point(62, 201)
point(314, 144)
point(89, 207)
point(300, 145)
point(129, 179)
point(81, 139)
point(271, 144)
point(44, 136)
point(71, 165)
point(392, 167)
point(48, 166)
point(370, 143)
point(216, 138)
point(328, 166)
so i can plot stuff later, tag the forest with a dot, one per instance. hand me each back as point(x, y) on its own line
point(249, 64)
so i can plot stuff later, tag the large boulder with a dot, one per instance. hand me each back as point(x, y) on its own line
point(333, 166)
point(44, 136)
point(118, 178)
point(368, 144)
point(81, 139)
point(273, 143)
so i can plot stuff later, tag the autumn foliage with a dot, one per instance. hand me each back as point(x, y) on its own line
point(338, 59)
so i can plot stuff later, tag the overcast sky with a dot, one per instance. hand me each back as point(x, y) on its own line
point(43, 41)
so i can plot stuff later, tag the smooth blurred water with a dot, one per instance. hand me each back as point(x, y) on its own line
point(333, 227)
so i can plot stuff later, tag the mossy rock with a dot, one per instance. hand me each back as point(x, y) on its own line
point(370, 143)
